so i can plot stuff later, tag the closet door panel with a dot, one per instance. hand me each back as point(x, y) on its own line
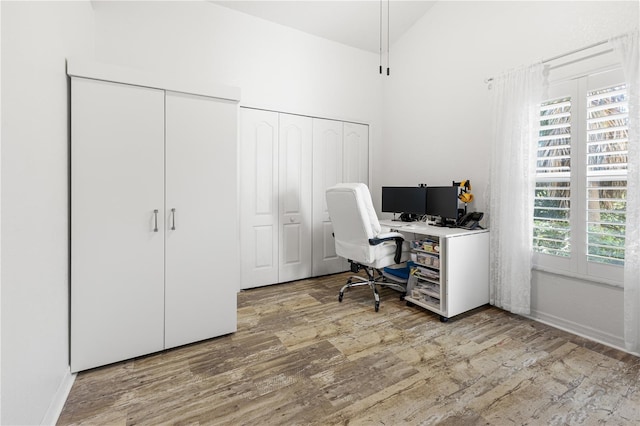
point(356, 153)
point(202, 269)
point(117, 181)
point(327, 171)
point(295, 151)
point(259, 190)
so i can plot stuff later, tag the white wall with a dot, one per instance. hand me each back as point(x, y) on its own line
point(437, 124)
point(36, 38)
point(276, 67)
point(586, 308)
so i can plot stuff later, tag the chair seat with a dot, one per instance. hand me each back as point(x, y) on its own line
point(384, 254)
point(377, 256)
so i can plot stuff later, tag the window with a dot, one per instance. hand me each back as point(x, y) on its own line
point(581, 172)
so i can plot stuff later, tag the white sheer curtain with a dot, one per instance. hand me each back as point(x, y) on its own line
point(628, 48)
point(516, 98)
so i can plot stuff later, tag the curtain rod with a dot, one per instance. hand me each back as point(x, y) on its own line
point(553, 58)
point(591, 46)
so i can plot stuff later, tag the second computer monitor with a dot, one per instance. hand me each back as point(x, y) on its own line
point(442, 201)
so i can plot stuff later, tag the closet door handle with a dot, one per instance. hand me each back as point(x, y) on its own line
point(155, 218)
point(173, 219)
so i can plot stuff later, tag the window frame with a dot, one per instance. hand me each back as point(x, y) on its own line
point(577, 265)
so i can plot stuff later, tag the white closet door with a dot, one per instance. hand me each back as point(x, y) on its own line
point(117, 182)
point(356, 153)
point(327, 171)
point(202, 268)
point(259, 197)
point(295, 197)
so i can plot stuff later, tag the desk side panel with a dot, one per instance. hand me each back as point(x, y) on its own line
point(467, 272)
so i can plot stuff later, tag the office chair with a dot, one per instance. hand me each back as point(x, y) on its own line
point(359, 238)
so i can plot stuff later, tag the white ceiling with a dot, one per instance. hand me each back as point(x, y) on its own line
point(354, 23)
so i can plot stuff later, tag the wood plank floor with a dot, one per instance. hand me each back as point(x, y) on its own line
point(300, 357)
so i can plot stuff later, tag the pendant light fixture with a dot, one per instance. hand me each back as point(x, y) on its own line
point(388, 33)
point(388, 47)
point(380, 30)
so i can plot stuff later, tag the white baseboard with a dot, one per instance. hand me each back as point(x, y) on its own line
point(590, 333)
point(59, 399)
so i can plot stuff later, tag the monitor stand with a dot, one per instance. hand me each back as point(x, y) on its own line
point(409, 217)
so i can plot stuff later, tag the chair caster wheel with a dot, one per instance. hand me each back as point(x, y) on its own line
point(377, 306)
point(340, 297)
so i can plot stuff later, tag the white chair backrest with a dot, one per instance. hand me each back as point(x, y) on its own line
point(353, 218)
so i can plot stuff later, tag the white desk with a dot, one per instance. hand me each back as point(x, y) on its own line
point(452, 275)
point(424, 229)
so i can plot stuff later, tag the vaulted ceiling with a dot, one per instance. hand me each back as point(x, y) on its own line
point(354, 23)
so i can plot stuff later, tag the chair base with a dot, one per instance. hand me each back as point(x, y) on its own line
point(373, 282)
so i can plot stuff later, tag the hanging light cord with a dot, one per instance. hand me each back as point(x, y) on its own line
point(388, 31)
point(380, 36)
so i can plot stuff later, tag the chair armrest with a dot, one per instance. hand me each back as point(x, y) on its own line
point(390, 236)
point(387, 236)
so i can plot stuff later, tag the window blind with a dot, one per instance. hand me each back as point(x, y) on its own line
point(551, 228)
point(606, 173)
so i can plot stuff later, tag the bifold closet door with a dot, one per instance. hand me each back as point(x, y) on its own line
point(201, 212)
point(259, 197)
point(356, 153)
point(117, 212)
point(327, 171)
point(294, 251)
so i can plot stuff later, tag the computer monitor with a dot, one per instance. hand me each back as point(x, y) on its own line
point(404, 199)
point(443, 202)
